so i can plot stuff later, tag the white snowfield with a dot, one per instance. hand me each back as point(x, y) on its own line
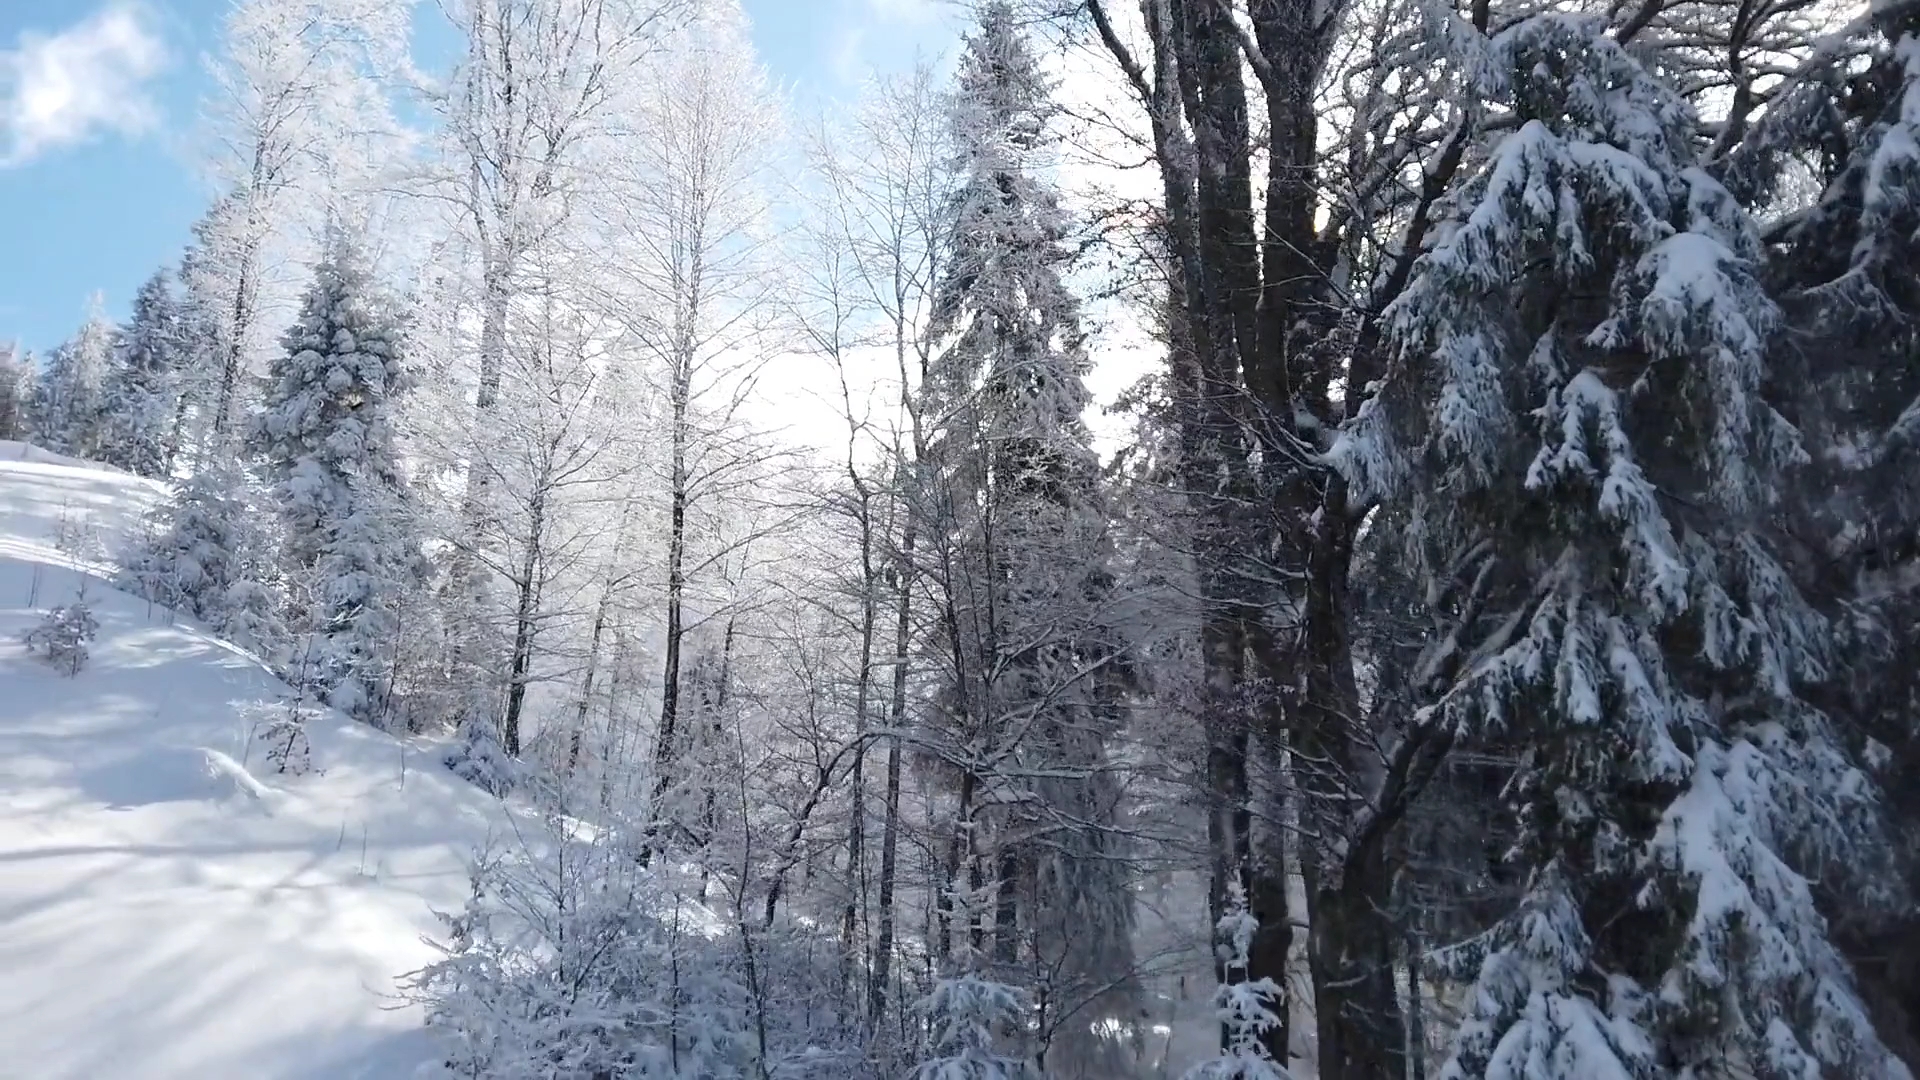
point(169, 905)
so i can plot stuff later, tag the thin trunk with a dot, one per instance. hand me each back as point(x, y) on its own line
point(241, 318)
point(578, 738)
point(857, 809)
point(616, 742)
point(240, 323)
point(890, 829)
point(523, 625)
point(601, 612)
point(959, 854)
point(663, 752)
point(1006, 907)
point(716, 731)
point(1416, 1022)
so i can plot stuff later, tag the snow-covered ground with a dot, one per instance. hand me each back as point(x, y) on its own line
point(164, 913)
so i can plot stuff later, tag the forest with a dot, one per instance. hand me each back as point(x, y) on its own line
point(1474, 640)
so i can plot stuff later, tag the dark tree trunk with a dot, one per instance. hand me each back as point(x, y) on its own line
point(882, 970)
point(1006, 907)
point(664, 743)
point(524, 627)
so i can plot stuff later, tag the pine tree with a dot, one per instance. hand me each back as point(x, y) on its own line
point(1245, 1007)
point(325, 431)
point(140, 398)
point(16, 392)
point(68, 404)
point(207, 557)
point(970, 1016)
point(1033, 663)
point(1847, 266)
point(1577, 430)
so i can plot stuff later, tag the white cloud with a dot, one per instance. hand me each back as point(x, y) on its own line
point(61, 89)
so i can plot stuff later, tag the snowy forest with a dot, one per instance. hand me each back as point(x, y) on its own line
point(1223, 539)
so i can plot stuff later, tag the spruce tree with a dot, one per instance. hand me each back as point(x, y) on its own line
point(140, 398)
point(1033, 661)
point(16, 392)
point(206, 557)
point(1847, 266)
point(1577, 430)
point(325, 432)
point(68, 403)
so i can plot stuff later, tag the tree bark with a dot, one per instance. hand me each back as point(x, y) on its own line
point(664, 744)
point(524, 627)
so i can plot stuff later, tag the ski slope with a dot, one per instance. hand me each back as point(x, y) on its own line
point(169, 907)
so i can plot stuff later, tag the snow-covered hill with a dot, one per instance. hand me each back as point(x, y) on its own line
point(170, 907)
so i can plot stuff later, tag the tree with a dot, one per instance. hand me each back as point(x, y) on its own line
point(1246, 1013)
point(884, 178)
point(1031, 664)
point(1576, 425)
point(297, 89)
point(17, 392)
point(325, 431)
point(970, 1016)
point(695, 216)
point(206, 557)
point(140, 399)
point(537, 92)
point(1842, 259)
point(68, 400)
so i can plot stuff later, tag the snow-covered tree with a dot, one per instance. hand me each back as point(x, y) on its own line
point(299, 107)
point(1029, 656)
point(1246, 1008)
point(972, 1018)
point(570, 959)
point(325, 431)
point(206, 556)
point(62, 635)
point(68, 399)
point(140, 398)
point(1578, 431)
point(16, 391)
point(1838, 157)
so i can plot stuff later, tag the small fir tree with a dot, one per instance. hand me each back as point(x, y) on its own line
point(969, 1017)
point(325, 433)
point(140, 398)
point(206, 556)
point(68, 403)
point(1245, 1006)
point(16, 392)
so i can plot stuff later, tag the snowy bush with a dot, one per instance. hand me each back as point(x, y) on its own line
point(571, 960)
point(480, 760)
point(969, 1015)
point(207, 557)
point(63, 634)
point(278, 730)
point(1246, 1007)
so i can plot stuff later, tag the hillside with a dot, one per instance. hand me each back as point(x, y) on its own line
point(169, 906)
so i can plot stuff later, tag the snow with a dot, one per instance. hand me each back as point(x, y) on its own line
point(169, 908)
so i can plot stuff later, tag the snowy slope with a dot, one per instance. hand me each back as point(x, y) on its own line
point(163, 914)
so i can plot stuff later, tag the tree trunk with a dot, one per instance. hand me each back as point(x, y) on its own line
point(523, 626)
point(1006, 907)
point(1416, 1021)
point(574, 743)
point(664, 746)
point(1357, 1012)
point(882, 971)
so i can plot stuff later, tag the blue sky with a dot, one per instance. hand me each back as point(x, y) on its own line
point(97, 108)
